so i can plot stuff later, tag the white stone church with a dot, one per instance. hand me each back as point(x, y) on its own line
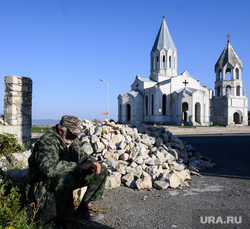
point(170, 99)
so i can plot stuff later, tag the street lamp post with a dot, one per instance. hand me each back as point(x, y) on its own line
point(107, 85)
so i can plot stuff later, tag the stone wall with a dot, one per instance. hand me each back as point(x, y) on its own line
point(17, 107)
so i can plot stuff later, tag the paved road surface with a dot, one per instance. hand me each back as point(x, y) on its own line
point(231, 153)
point(220, 192)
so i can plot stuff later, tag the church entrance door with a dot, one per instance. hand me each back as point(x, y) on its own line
point(236, 118)
point(185, 112)
point(128, 112)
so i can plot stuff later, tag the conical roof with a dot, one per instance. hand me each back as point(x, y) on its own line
point(228, 56)
point(163, 39)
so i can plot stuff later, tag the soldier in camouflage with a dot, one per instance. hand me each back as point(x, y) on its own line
point(57, 166)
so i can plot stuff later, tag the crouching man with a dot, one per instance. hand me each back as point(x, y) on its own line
point(57, 166)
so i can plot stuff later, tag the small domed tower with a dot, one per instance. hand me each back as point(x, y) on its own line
point(228, 73)
point(163, 55)
point(230, 104)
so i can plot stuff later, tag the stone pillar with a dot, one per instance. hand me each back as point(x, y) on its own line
point(18, 104)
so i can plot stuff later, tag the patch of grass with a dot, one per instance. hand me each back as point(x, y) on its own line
point(159, 126)
point(40, 129)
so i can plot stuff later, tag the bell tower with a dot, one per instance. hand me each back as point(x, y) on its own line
point(163, 56)
point(228, 71)
point(230, 104)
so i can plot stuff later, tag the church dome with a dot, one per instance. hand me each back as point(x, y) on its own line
point(228, 56)
point(163, 39)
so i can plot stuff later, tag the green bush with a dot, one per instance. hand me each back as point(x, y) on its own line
point(13, 214)
point(9, 144)
point(13, 210)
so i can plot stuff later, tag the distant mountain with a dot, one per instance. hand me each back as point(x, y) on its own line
point(43, 122)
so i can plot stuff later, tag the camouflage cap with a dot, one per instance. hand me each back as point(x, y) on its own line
point(74, 124)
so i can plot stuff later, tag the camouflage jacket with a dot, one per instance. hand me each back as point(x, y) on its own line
point(50, 157)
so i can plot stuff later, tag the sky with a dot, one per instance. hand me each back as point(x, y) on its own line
point(67, 46)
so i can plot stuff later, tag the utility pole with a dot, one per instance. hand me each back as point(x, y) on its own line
point(107, 85)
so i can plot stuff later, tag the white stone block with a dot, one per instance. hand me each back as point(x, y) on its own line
point(161, 184)
point(113, 181)
point(174, 180)
point(145, 183)
point(11, 79)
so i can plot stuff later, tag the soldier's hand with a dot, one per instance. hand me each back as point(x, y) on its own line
point(92, 165)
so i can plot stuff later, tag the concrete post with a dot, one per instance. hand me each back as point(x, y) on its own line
point(17, 106)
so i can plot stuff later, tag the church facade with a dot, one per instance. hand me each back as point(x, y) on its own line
point(170, 99)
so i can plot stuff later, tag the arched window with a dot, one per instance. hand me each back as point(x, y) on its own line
point(218, 91)
point(198, 113)
point(146, 105)
point(163, 61)
point(128, 112)
point(228, 74)
point(238, 90)
point(237, 75)
point(228, 90)
point(185, 112)
point(152, 105)
point(219, 76)
point(164, 105)
point(169, 62)
point(157, 62)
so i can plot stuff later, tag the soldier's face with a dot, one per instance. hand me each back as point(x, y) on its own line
point(68, 137)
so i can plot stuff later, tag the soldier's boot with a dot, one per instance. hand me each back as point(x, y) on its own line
point(86, 213)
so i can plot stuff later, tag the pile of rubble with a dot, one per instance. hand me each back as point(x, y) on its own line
point(143, 156)
point(15, 167)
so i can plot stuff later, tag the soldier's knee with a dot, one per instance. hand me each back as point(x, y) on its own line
point(64, 181)
point(104, 170)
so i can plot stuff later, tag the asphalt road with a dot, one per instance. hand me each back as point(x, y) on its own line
point(219, 198)
point(231, 153)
